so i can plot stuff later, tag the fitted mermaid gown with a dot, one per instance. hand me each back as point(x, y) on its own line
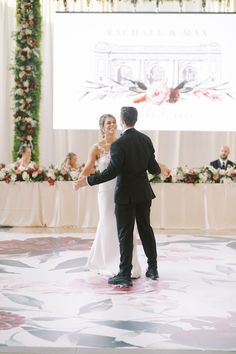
point(104, 257)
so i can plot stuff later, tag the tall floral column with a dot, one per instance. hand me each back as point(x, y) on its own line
point(27, 72)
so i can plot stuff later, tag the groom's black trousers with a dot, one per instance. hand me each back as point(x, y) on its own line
point(126, 214)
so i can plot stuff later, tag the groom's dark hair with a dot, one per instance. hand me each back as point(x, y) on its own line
point(130, 115)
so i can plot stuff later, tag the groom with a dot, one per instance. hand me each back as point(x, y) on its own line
point(132, 155)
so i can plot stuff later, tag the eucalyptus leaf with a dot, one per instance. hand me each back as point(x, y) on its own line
point(24, 300)
point(224, 269)
point(96, 306)
point(71, 263)
point(13, 263)
point(48, 335)
point(2, 270)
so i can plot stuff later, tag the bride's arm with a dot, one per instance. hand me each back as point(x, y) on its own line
point(92, 157)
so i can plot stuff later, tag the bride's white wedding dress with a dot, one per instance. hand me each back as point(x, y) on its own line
point(104, 257)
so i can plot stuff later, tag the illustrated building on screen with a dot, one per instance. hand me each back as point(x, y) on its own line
point(158, 64)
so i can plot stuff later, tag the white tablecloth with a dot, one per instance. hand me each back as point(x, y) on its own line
point(177, 206)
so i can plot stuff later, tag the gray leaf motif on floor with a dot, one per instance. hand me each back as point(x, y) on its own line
point(2, 270)
point(97, 341)
point(49, 335)
point(71, 263)
point(13, 263)
point(142, 327)
point(224, 269)
point(24, 300)
point(232, 245)
point(96, 306)
point(38, 319)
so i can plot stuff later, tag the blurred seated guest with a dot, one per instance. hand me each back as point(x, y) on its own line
point(70, 163)
point(223, 163)
point(24, 161)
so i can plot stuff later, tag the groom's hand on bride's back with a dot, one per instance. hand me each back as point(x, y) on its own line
point(80, 183)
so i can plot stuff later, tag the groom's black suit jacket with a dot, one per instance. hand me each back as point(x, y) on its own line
point(217, 164)
point(132, 155)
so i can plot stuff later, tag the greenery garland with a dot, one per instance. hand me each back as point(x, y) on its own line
point(27, 73)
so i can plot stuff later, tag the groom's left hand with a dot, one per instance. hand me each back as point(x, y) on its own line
point(80, 183)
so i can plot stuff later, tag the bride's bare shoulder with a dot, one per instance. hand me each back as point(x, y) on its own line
point(95, 146)
point(100, 144)
point(95, 149)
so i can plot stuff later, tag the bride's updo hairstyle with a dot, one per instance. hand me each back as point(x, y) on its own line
point(102, 120)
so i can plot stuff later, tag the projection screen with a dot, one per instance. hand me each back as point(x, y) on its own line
point(178, 70)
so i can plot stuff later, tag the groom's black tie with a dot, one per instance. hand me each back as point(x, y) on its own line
point(223, 166)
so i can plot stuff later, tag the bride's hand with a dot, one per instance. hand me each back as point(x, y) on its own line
point(81, 182)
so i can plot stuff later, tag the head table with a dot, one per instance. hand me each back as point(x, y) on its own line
point(177, 206)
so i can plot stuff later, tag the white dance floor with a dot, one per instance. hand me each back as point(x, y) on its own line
point(50, 302)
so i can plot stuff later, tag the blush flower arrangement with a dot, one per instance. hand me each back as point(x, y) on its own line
point(205, 174)
point(52, 174)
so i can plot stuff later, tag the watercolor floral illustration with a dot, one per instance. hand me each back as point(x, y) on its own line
point(157, 93)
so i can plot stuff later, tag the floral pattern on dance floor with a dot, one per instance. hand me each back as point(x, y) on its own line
point(49, 299)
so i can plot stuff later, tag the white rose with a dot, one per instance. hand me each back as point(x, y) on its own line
point(26, 83)
point(174, 179)
point(201, 177)
point(25, 176)
point(213, 170)
point(35, 174)
point(74, 175)
point(13, 178)
point(2, 176)
point(22, 73)
point(19, 92)
point(51, 174)
point(29, 138)
point(226, 180)
point(28, 31)
point(222, 172)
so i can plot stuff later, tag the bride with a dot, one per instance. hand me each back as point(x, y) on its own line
point(104, 257)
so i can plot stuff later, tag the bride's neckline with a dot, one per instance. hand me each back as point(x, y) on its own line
point(105, 146)
point(103, 150)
